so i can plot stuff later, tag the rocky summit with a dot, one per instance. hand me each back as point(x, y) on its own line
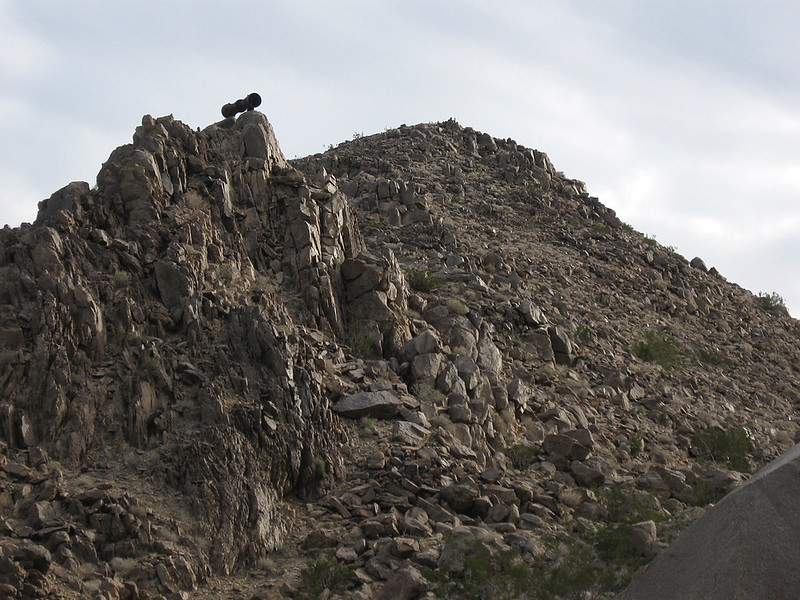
point(422, 364)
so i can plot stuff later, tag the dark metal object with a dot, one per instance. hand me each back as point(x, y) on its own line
point(241, 105)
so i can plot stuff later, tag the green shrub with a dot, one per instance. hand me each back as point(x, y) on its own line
point(584, 334)
point(706, 492)
point(572, 576)
point(425, 392)
point(456, 307)
point(626, 505)
point(713, 357)
point(773, 302)
point(485, 574)
point(367, 426)
point(503, 575)
point(324, 573)
point(319, 467)
point(701, 287)
point(423, 281)
point(522, 456)
point(730, 446)
point(363, 339)
point(659, 348)
point(614, 545)
point(636, 445)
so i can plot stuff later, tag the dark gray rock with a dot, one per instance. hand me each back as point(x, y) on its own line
point(378, 405)
point(407, 584)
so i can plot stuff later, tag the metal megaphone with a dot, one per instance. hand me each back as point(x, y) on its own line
point(241, 105)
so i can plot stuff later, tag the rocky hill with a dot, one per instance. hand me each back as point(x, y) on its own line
point(422, 364)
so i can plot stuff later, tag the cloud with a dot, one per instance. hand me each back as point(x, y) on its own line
point(682, 117)
point(23, 55)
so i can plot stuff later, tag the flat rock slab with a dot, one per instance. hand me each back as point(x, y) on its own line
point(378, 405)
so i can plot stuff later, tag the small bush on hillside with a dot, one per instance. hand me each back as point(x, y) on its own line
point(614, 545)
point(659, 348)
point(367, 426)
point(730, 446)
point(504, 575)
point(324, 573)
point(425, 392)
point(485, 574)
point(773, 302)
point(522, 456)
point(713, 357)
point(456, 307)
point(626, 505)
point(423, 281)
point(706, 492)
point(584, 334)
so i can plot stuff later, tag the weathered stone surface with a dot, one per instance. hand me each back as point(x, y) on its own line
point(699, 264)
point(424, 343)
point(460, 497)
point(562, 346)
point(489, 357)
point(410, 433)
point(380, 405)
point(563, 447)
point(407, 584)
point(531, 313)
point(426, 366)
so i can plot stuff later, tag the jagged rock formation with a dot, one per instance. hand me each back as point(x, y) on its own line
point(430, 334)
point(144, 315)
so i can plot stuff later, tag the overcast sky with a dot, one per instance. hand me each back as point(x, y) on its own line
point(683, 116)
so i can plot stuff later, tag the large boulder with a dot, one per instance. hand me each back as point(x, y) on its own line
point(379, 405)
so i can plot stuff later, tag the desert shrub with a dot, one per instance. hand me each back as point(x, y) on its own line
point(636, 445)
point(425, 392)
point(713, 357)
point(319, 467)
point(613, 540)
point(481, 573)
point(706, 492)
point(484, 574)
point(614, 545)
point(731, 446)
point(367, 426)
point(456, 307)
point(701, 287)
point(574, 574)
point(627, 505)
point(522, 456)
point(773, 302)
point(584, 334)
point(423, 281)
point(363, 339)
point(323, 573)
point(659, 348)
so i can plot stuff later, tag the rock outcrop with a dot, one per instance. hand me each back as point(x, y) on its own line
point(143, 319)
